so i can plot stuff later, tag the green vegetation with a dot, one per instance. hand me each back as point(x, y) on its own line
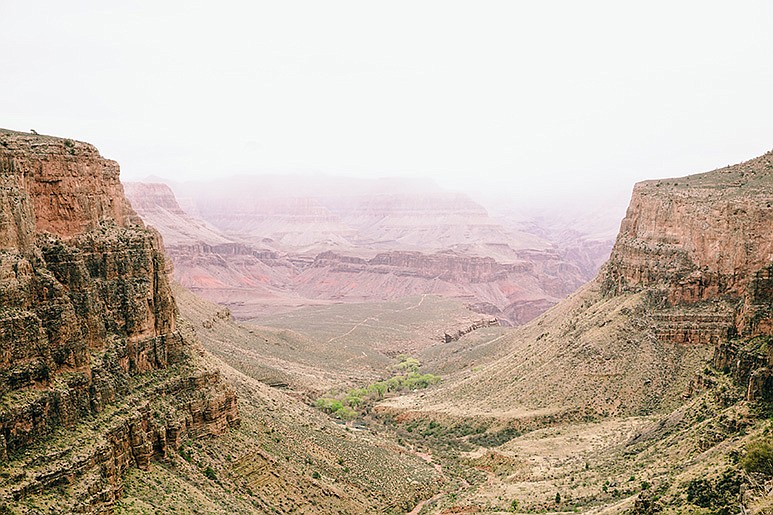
point(407, 378)
point(495, 439)
point(336, 408)
point(718, 493)
point(759, 457)
point(210, 473)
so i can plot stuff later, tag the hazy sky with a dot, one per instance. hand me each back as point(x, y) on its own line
point(512, 97)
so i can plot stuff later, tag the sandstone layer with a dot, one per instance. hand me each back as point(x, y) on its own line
point(271, 254)
point(702, 239)
point(95, 375)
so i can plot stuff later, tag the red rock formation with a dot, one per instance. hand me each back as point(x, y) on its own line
point(455, 335)
point(702, 241)
point(87, 323)
point(285, 251)
point(689, 276)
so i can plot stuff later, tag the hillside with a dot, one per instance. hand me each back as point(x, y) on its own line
point(661, 360)
point(95, 375)
point(684, 274)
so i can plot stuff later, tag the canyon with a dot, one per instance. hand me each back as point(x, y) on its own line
point(257, 249)
point(105, 389)
point(88, 330)
point(647, 389)
point(665, 357)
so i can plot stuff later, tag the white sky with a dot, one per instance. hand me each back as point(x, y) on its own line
point(514, 98)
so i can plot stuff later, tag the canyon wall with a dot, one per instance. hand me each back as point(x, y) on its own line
point(702, 245)
point(701, 248)
point(688, 284)
point(88, 331)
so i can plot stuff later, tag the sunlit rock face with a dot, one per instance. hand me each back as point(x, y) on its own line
point(703, 243)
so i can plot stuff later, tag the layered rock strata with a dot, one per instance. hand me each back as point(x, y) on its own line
point(701, 248)
point(277, 254)
point(702, 245)
point(92, 362)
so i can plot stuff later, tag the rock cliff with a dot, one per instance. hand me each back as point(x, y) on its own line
point(155, 202)
point(284, 242)
point(514, 285)
point(515, 292)
point(702, 246)
point(95, 375)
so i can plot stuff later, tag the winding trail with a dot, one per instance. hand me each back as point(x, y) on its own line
point(375, 318)
point(423, 296)
point(350, 331)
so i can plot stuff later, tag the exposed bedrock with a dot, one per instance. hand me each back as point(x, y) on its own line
point(88, 327)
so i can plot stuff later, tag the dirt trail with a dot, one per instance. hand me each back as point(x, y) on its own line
point(428, 458)
point(423, 296)
point(375, 318)
point(350, 331)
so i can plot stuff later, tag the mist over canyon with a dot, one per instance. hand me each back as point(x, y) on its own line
point(264, 244)
point(370, 258)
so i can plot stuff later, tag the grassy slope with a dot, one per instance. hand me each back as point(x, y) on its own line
point(286, 457)
point(316, 349)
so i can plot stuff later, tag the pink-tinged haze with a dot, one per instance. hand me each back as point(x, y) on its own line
point(519, 102)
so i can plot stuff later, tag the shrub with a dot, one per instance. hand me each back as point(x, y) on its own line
point(343, 407)
point(379, 389)
point(345, 413)
point(353, 400)
point(759, 458)
point(329, 405)
point(719, 493)
point(408, 365)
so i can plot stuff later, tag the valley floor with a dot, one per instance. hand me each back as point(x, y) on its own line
point(675, 460)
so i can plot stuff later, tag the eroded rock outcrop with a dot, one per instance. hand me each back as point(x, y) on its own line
point(92, 362)
point(701, 247)
point(454, 335)
point(703, 244)
point(689, 278)
point(347, 246)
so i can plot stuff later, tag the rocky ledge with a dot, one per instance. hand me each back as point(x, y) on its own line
point(701, 239)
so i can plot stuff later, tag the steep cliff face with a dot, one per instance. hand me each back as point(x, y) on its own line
point(288, 222)
point(155, 202)
point(87, 329)
point(516, 291)
point(353, 241)
point(703, 244)
point(514, 284)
